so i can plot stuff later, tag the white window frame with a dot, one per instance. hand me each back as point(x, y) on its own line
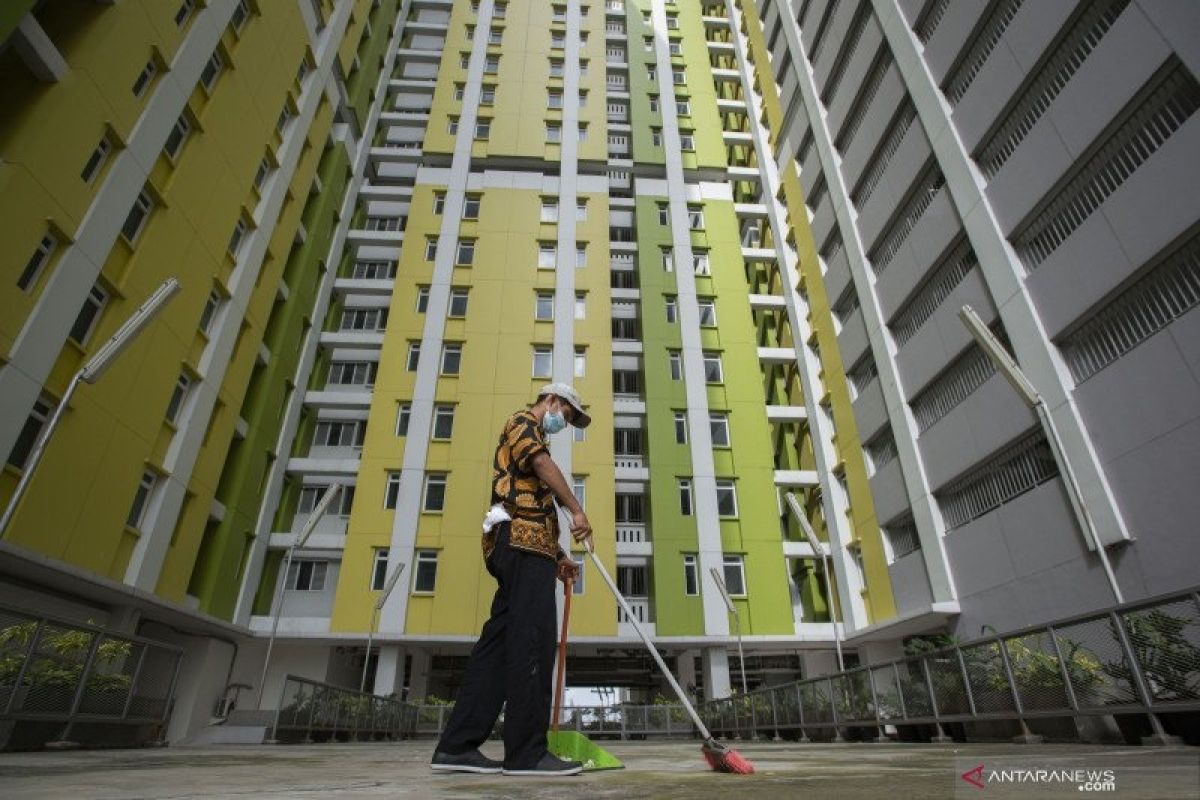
point(421, 563)
point(403, 417)
point(719, 421)
point(432, 479)
point(546, 354)
point(442, 415)
point(179, 395)
point(379, 569)
point(681, 429)
point(457, 297)
point(691, 574)
point(687, 506)
point(391, 491)
point(141, 500)
point(448, 351)
point(731, 487)
point(738, 563)
point(541, 298)
point(97, 160)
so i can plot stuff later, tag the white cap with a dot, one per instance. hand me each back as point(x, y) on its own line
point(568, 393)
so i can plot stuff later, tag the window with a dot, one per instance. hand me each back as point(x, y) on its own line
point(141, 499)
point(403, 413)
point(260, 177)
point(695, 218)
point(683, 108)
point(352, 373)
point(656, 137)
point(285, 117)
point(422, 299)
point(306, 575)
point(648, 44)
point(581, 211)
point(451, 359)
point(687, 141)
point(85, 323)
point(700, 263)
point(96, 160)
point(471, 206)
point(464, 59)
point(443, 422)
point(541, 362)
point(491, 65)
point(547, 255)
point(580, 362)
point(554, 98)
point(374, 270)
point(672, 22)
point(678, 77)
point(580, 255)
point(209, 313)
point(577, 586)
point(582, 130)
point(39, 259)
point(712, 368)
point(458, 303)
point(718, 425)
point(667, 255)
point(391, 491)
point(425, 575)
point(685, 496)
point(435, 492)
point(672, 312)
point(452, 126)
point(414, 355)
point(212, 70)
point(144, 78)
point(708, 312)
point(580, 305)
point(430, 248)
point(240, 13)
point(439, 202)
point(379, 569)
point(651, 75)
point(583, 96)
point(556, 68)
point(553, 132)
point(364, 319)
point(735, 576)
point(236, 239)
point(483, 128)
point(663, 214)
point(177, 137)
point(579, 489)
point(466, 252)
point(691, 581)
point(184, 12)
point(175, 405)
point(135, 222)
point(653, 104)
point(487, 95)
point(549, 211)
point(675, 48)
point(544, 307)
point(500, 11)
point(495, 35)
point(310, 498)
point(726, 499)
point(30, 432)
point(680, 427)
point(332, 433)
point(676, 362)
point(558, 40)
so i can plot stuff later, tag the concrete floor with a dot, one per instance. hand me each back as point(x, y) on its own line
point(653, 770)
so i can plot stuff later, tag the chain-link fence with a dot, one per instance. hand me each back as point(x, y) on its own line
point(66, 681)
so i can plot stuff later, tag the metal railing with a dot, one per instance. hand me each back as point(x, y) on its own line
point(54, 670)
point(310, 711)
point(1139, 658)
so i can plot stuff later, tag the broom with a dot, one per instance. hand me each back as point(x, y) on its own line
point(718, 756)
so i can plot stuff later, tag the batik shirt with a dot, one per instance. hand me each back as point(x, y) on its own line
point(524, 496)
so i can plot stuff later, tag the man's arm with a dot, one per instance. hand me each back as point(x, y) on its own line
point(545, 468)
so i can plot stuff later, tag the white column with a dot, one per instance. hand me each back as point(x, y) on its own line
point(389, 672)
point(815, 663)
point(716, 673)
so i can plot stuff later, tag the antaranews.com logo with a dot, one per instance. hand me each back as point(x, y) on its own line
point(1086, 780)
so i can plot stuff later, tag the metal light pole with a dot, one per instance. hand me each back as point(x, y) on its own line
point(817, 547)
point(387, 589)
point(737, 622)
point(277, 602)
point(90, 373)
point(988, 342)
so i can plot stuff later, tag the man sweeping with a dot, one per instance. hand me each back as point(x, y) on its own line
point(511, 663)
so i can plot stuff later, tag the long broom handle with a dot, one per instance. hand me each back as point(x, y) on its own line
point(645, 639)
point(562, 656)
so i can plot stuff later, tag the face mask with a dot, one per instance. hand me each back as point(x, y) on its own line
point(553, 422)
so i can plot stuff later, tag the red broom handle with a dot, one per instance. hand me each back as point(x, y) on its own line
point(562, 656)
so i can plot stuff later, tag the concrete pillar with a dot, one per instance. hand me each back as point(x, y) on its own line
point(418, 679)
point(818, 662)
point(37, 51)
point(389, 673)
point(716, 673)
point(685, 673)
point(877, 652)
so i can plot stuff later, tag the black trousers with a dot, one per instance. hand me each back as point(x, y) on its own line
point(511, 664)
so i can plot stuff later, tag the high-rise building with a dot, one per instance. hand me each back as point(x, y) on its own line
point(743, 231)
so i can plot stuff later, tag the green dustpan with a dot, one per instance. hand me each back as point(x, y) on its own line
point(574, 746)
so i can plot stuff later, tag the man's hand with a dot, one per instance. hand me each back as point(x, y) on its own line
point(581, 529)
point(568, 570)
